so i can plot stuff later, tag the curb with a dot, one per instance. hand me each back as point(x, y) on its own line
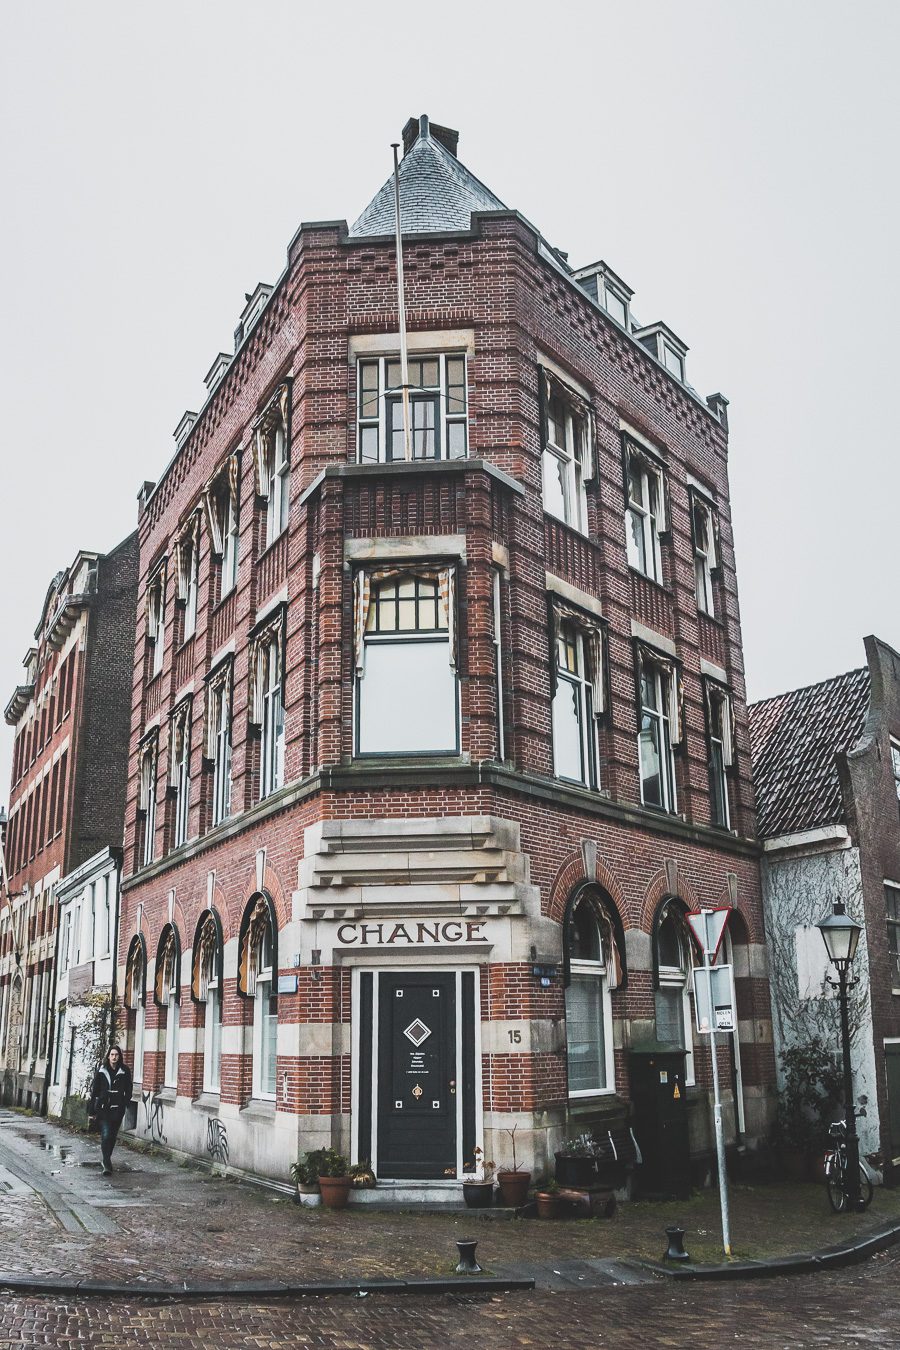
point(192, 1291)
point(828, 1258)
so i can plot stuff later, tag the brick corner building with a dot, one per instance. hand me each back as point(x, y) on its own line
point(67, 790)
point(435, 739)
point(826, 762)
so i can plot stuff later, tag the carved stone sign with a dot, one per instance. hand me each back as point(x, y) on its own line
point(412, 933)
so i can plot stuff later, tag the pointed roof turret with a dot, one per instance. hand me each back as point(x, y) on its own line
point(437, 192)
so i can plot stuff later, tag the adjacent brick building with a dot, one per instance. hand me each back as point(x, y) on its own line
point(826, 764)
point(67, 793)
point(434, 741)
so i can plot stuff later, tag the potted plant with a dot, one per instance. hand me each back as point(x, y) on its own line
point(478, 1186)
point(812, 1090)
point(334, 1178)
point(513, 1183)
point(305, 1176)
point(548, 1200)
point(361, 1176)
point(587, 1162)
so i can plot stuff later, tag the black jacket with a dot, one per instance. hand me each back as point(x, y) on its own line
point(111, 1092)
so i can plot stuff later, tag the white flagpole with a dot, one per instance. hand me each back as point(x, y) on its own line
point(717, 1099)
point(401, 305)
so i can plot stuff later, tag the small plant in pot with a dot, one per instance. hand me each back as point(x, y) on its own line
point(549, 1200)
point(362, 1176)
point(478, 1185)
point(334, 1178)
point(305, 1176)
point(513, 1182)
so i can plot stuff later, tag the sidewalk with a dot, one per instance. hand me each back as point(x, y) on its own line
point(155, 1224)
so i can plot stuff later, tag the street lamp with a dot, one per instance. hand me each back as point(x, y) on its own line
point(841, 937)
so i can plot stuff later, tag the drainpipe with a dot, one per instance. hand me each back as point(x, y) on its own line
point(51, 1035)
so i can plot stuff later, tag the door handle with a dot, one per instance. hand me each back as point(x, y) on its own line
point(453, 1087)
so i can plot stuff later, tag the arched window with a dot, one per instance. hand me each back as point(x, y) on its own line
point(167, 995)
point(136, 999)
point(672, 962)
point(258, 979)
point(593, 967)
point(206, 988)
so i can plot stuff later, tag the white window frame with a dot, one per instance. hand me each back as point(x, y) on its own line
point(263, 991)
point(91, 921)
point(609, 289)
point(58, 1052)
point(180, 773)
point(705, 561)
point(147, 801)
point(672, 359)
point(212, 1032)
point(597, 970)
point(220, 693)
point(230, 544)
point(679, 977)
point(895, 766)
point(191, 583)
point(660, 715)
point(107, 912)
point(893, 929)
point(277, 471)
point(156, 620)
point(497, 616)
point(579, 682)
point(646, 518)
point(373, 421)
point(271, 698)
point(378, 637)
point(719, 698)
point(173, 1027)
point(567, 461)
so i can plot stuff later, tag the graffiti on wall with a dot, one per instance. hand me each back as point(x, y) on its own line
point(217, 1140)
point(153, 1117)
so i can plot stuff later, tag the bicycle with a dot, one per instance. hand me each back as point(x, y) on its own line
point(836, 1173)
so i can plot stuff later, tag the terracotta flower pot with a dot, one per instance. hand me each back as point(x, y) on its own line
point(335, 1191)
point(513, 1188)
point(548, 1204)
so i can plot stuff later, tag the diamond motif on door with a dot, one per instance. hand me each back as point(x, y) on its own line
point(417, 1032)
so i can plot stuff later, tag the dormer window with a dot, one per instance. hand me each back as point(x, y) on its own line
point(665, 346)
point(609, 290)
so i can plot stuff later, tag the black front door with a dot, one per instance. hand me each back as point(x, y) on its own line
point(416, 1084)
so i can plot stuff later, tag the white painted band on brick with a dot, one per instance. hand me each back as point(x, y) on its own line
point(837, 836)
point(713, 671)
point(227, 650)
point(566, 591)
point(657, 640)
point(432, 340)
point(404, 547)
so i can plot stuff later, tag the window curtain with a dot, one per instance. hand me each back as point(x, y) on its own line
point(220, 679)
point(362, 600)
point(259, 651)
point(672, 671)
point(168, 960)
point(206, 956)
point(593, 633)
point(214, 502)
point(259, 915)
point(716, 691)
point(179, 733)
point(188, 546)
point(275, 414)
point(612, 936)
point(550, 385)
point(155, 607)
point(632, 450)
point(135, 973)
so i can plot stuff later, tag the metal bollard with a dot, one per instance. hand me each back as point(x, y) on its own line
point(675, 1250)
point(467, 1263)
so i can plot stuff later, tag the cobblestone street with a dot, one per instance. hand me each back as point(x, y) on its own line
point(155, 1221)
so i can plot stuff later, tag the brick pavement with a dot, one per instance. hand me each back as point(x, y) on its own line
point(852, 1308)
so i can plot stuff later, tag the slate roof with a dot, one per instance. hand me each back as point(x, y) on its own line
point(437, 192)
point(795, 739)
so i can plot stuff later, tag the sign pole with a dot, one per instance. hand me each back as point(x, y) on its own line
point(717, 1102)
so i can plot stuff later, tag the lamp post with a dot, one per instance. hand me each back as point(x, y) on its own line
point(841, 937)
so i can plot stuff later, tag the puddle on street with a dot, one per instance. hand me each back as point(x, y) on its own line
point(61, 1152)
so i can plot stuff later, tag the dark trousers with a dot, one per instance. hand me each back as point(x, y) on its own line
point(109, 1131)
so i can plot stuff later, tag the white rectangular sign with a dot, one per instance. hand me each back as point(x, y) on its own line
point(714, 999)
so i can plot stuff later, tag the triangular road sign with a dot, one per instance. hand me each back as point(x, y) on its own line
point(708, 929)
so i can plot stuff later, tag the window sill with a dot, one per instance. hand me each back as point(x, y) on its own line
point(260, 557)
point(660, 585)
point(567, 525)
point(259, 1108)
point(166, 1094)
point(595, 1094)
point(223, 599)
point(208, 1102)
point(711, 618)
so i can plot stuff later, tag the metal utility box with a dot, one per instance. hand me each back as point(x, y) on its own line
point(660, 1121)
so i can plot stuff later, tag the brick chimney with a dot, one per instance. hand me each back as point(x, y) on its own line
point(420, 126)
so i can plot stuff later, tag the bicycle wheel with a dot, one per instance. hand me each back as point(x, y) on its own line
point(834, 1185)
point(865, 1188)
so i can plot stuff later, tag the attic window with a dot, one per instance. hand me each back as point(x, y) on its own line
point(672, 360)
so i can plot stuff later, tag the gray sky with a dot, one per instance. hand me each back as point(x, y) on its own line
point(736, 163)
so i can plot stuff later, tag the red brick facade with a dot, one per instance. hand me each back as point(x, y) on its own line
point(518, 311)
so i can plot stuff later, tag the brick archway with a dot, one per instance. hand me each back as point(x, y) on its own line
point(659, 888)
point(573, 872)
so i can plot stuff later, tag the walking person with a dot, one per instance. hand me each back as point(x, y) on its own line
point(110, 1095)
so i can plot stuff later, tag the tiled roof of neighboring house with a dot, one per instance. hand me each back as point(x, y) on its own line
point(436, 193)
point(795, 739)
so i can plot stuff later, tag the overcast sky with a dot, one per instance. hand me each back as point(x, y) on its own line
point(735, 163)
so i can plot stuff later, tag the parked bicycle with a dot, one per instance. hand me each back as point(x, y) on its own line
point(836, 1172)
